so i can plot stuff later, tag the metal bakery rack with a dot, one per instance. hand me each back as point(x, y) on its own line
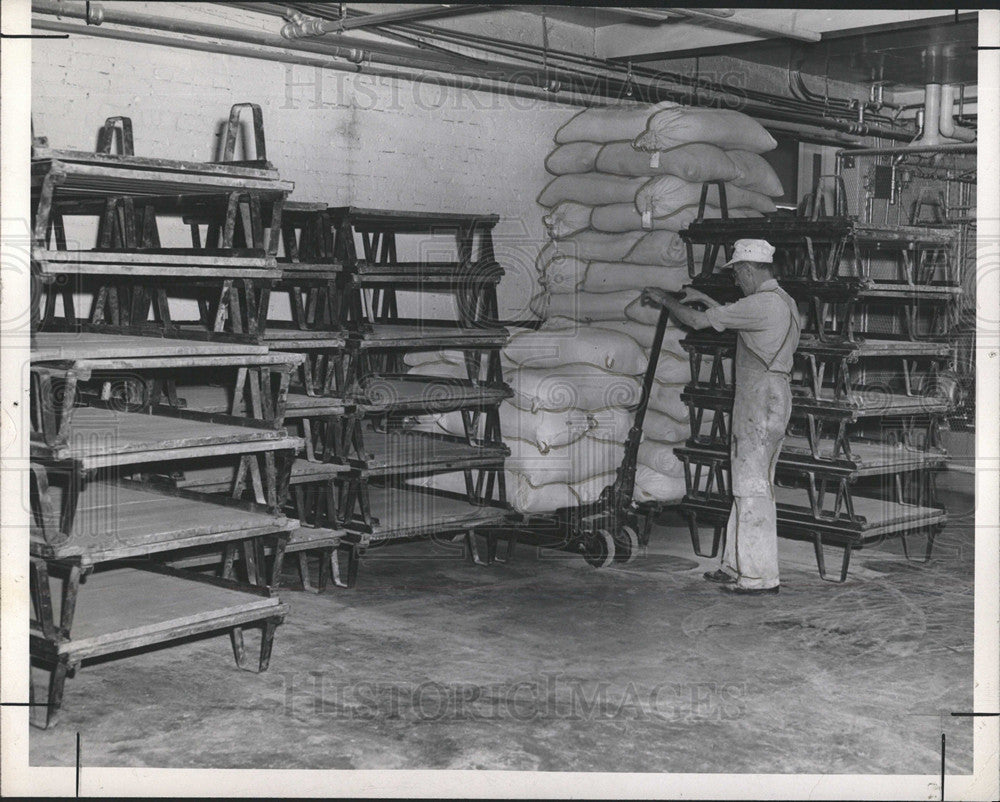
point(106, 427)
point(863, 444)
point(222, 219)
point(387, 455)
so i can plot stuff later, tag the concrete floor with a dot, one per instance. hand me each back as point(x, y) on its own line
point(547, 664)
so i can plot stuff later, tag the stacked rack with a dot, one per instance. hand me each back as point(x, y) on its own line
point(116, 418)
point(354, 405)
point(313, 282)
point(859, 461)
point(386, 454)
point(224, 212)
point(104, 433)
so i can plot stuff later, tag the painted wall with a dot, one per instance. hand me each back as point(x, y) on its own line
point(342, 138)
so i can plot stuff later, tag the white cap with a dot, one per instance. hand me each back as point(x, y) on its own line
point(752, 250)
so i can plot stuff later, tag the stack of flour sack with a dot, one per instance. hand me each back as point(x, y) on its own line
point(628, 179)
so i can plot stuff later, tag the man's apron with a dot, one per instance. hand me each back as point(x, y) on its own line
point(761, 408)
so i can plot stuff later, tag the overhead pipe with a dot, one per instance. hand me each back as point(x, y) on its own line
point(946, 120)
point(305, 59)
point(300, 26)
point(493, 77)
point(930, 134)
point(353, 49)
point(504, 47)
point(738, 25)
point(839, 107)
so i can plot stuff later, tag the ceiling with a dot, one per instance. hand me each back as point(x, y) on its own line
point(896, 55)
point(857, 45)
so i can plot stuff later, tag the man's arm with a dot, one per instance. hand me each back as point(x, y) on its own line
point(691, 294)
point(683, 314)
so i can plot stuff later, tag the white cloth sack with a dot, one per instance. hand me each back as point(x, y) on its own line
point(585, 307)
point(673, 368)
point(658, 248)
point(666, 398)
point(604, 277)
point(756, 173)
point(642, 332)
point(567, 219)
point(618, 217)
point(590, 245)
point(666, 194)
point(592, 189)
point(572, 275)
point(545, 430)
point(573, 157)
point(573, 463)
point(659, 457)
point(439, 368)
point(609, 123)
point(724, 128)
point(611, 424)
point(571, 387)
point(414, 358)
point(658, 426)
point(558, 344)
point(653, 486)
point(695, 162)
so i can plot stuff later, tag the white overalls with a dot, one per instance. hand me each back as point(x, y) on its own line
point(767, 325)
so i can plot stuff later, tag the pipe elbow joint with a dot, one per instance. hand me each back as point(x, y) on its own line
point(95, 14)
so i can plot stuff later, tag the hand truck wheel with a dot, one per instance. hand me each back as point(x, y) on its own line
point(598, 548)
point(626, 545)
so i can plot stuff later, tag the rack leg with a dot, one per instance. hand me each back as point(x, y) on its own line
point(45, 716)
point(821, 562)
point(717, 532)
point(473, 549)
point(266, 643)
point(353, 558)
point(927, 552)
point(334, 560)
point(303, 560)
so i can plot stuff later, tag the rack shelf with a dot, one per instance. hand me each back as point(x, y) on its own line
point(130, 607)
point(405, 513)
point(398, 452)
point(99, 438)
point(425, 394)
point(122, 520)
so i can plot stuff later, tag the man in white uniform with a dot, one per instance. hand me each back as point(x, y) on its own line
point(767, 324)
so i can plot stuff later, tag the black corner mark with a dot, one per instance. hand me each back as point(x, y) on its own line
point(78, 765)
point(942, 765)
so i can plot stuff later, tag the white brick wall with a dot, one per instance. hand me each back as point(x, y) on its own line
point(342, 138)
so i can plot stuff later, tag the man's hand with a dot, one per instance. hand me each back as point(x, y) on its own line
point(654, 296)
point(690, 295)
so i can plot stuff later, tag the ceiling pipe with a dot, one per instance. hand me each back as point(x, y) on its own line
point(353, 49)
point(948, 147)
point(324, 62)
point(833, 107)
point(930, 135)
point(946, 120)
point(746, 26)
point(494, 77)
point(301, 26)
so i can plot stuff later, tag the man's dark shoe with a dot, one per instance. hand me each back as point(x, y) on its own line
point(720, 576)
point(738, 591)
